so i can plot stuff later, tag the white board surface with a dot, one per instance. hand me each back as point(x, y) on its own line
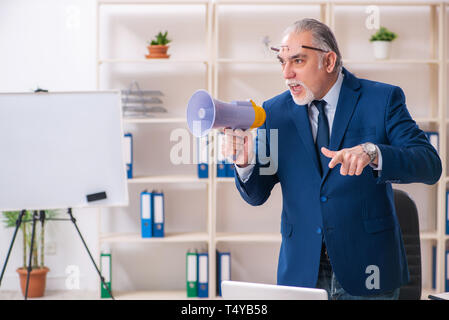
point(57, 148)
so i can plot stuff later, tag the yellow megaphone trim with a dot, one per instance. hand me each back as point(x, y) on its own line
point(259, 115)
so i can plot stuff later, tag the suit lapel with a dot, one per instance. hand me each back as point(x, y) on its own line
point(347, 102)
point(300, 117)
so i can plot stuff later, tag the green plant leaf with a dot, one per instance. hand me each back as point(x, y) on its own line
point(161, 39)
point(383, 34)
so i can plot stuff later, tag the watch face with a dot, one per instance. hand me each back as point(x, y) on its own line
point(370, 147)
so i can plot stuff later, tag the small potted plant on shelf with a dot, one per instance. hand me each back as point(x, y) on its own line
point(158, 47)
point(39, 271)
point(381, 41)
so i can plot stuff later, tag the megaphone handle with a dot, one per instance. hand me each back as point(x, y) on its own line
point(235, 156)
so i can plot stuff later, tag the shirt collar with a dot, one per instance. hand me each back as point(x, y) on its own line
point(331, 97)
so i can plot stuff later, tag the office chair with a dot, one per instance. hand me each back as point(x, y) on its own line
point(407, 214)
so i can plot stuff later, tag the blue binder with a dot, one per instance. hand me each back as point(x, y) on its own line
point(221, 163)
point(223, 268)
point(203, 275)
point(202, 155)
point(221, 170)
point(447, 212)
point(158, 214)
point(146, 214)
point(230, 168)
point(433, 137)
point(446, 273)
point(128, 148)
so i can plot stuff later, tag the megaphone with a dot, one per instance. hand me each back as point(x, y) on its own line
point(205, 113)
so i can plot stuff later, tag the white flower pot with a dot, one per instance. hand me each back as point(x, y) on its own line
point(381, 49)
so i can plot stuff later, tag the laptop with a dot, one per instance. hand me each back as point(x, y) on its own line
point(237, 290)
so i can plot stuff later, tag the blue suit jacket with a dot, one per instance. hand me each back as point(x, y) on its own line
point(355, 214)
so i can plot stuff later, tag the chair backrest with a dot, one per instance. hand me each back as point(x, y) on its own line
point(407, 214)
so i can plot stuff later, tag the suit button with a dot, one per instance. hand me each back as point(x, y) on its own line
point(323, 198)
point(318, 230)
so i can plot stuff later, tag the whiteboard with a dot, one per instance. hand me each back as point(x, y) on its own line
point(57, 148)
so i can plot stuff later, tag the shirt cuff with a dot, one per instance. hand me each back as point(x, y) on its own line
point(379, 161)
point(244, 173)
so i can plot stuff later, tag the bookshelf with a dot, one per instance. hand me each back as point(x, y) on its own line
point(224, 67)
point(175, 182)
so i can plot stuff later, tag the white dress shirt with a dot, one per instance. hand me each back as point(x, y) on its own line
point(331, 99)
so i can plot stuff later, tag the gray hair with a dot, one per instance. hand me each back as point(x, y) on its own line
point(323, 38)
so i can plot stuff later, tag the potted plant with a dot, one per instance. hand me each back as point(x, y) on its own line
point(381, 41)
point(39, 271)
point(158, 47)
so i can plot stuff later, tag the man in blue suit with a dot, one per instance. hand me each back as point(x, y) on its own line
point(341, 142)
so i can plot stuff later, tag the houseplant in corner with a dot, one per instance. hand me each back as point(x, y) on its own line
point(381, 41)
point(158, 47)
point(39, 270)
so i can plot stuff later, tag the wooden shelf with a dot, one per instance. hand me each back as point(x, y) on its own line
point(152, 2)
point(428, 235)
point(152, 295)
point(155, 120)
point(248, 237)
point(225, 180)
point(424, 120)
point(168, 179)
point(385, 3)
point(348, 61)
point(169, 238)
point(271, 2)
point(248, 61)
point(153, 61)
point(391, 61)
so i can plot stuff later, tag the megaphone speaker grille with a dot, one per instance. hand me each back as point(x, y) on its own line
point(200, 113)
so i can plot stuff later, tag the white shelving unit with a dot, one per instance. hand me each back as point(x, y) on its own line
point(213, 61)
point(171, 238)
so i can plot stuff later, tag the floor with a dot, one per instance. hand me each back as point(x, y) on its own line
point(91, 295)
point(52, 295)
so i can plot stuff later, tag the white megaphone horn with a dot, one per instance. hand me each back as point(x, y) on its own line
point(205, 113)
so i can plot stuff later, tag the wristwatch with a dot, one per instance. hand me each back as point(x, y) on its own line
point(370, 149)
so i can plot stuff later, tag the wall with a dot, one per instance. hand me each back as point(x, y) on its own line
point(50, 44)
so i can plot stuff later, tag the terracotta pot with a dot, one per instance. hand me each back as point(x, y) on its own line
point(157, 52)
point(36, 286)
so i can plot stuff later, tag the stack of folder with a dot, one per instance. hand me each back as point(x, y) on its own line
point(197, 272)
point(225, 168)
point(152, 214)
point(202, 151)
point(223, 268)
point(128, 150)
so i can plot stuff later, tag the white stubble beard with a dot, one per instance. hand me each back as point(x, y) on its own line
point(308, 98)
